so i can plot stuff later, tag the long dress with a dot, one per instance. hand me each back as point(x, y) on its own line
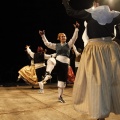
point(96, 90)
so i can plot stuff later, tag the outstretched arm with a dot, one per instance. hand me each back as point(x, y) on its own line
point(46, 42)
point(29, 51)
point(80, 14)
point(75, 35)
point(75, 50)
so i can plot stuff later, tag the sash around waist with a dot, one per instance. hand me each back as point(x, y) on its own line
point(106, 39)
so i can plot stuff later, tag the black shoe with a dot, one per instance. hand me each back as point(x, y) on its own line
point(61, 99)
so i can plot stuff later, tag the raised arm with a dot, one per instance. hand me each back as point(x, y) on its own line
point(80, 14)
point(46, 42)
point(76, 52)
point(75, 35)
point(29, 51)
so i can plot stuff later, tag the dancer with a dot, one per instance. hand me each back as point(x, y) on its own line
point(96, 87)
point(62, 57)
point(39, 60)
point(27, 73)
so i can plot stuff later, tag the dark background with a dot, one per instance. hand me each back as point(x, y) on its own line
point(20, 22)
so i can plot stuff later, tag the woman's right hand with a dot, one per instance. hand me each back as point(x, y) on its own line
point(27, 46)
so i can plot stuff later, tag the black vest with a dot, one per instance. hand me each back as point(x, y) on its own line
point(39, 58)
point(63, 50)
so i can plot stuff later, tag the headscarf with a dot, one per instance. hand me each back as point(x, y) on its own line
point(103, 14)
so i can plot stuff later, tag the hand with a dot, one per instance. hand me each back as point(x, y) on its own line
point(27, 46)
point(76, 25)
point(41, 32)
point(45, 50)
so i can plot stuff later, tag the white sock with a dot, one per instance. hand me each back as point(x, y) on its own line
point(19, 76)
point(41, 85)
point(60, 92)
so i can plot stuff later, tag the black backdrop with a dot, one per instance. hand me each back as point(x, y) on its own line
point(20, 23)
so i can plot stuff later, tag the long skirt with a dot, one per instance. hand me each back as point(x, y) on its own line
point(28, 74)
point(96, 90)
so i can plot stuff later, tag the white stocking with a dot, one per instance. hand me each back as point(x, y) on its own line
point(60, 92)
point(41, 85)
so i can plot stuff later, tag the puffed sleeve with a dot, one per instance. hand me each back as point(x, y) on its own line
point(80, 14)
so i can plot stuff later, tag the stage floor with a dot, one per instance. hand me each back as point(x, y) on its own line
point(25, 103)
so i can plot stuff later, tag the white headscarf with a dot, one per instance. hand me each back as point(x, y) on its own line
point(102, 14)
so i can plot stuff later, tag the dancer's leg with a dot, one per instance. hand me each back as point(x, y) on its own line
point(61, 86)
point(51, 62)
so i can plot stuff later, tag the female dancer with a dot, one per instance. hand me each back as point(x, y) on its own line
point(35, 75)
point(96, 89)
point(62, 57)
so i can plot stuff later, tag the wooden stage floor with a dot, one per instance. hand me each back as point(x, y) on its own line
point(25, 103)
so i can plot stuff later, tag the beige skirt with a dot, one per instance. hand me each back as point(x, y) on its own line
point(96, 90)
point(28, 74)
